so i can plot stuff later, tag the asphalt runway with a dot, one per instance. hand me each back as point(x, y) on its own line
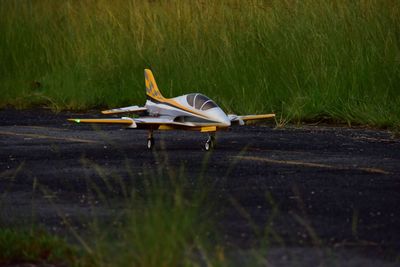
point(317, 187)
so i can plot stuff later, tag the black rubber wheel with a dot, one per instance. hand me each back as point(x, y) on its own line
point(210, 144)
point(150, 143)
point(207, 146)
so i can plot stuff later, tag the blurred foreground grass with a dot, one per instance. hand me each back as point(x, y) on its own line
point(306, 60)
point(164, 220)
point(36, 246)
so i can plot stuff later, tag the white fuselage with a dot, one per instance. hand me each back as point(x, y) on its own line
point(201, 111)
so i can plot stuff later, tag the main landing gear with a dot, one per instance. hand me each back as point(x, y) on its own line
point(150, 140)
point(210, 143)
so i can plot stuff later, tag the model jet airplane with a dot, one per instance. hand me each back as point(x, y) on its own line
point(187, 112)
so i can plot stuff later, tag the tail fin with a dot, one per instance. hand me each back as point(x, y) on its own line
point(151, 86)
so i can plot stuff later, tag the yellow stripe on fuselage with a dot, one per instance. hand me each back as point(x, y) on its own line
point(208, 129)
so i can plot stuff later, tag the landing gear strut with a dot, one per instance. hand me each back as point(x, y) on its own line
point(210, 143)
point(150, 140)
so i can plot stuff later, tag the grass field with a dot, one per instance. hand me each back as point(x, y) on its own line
point(305, 60)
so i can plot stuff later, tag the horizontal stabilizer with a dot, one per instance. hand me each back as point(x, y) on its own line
point(257, 117)
point(131, 109)
point(242, 119)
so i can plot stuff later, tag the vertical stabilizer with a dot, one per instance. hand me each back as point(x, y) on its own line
point(151, 86)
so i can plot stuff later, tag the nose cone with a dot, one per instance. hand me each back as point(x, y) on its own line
point(219, 116)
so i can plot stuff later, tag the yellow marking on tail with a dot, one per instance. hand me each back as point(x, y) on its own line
point(151, 86)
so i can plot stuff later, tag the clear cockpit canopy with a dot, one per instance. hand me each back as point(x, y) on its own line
point(200, 102)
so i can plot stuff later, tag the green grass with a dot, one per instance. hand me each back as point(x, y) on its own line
point(163, 224)
point(35, 246)
point(163, 221)
point(305, 60)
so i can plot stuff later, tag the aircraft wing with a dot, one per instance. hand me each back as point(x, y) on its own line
point(142, 122)
point(122, 121)
point(147, 122)
point(130, 109)
point(241, 120)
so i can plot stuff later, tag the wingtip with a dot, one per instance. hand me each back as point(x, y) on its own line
point(74, 120)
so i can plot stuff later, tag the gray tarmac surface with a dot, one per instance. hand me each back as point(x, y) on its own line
point(332, 189)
